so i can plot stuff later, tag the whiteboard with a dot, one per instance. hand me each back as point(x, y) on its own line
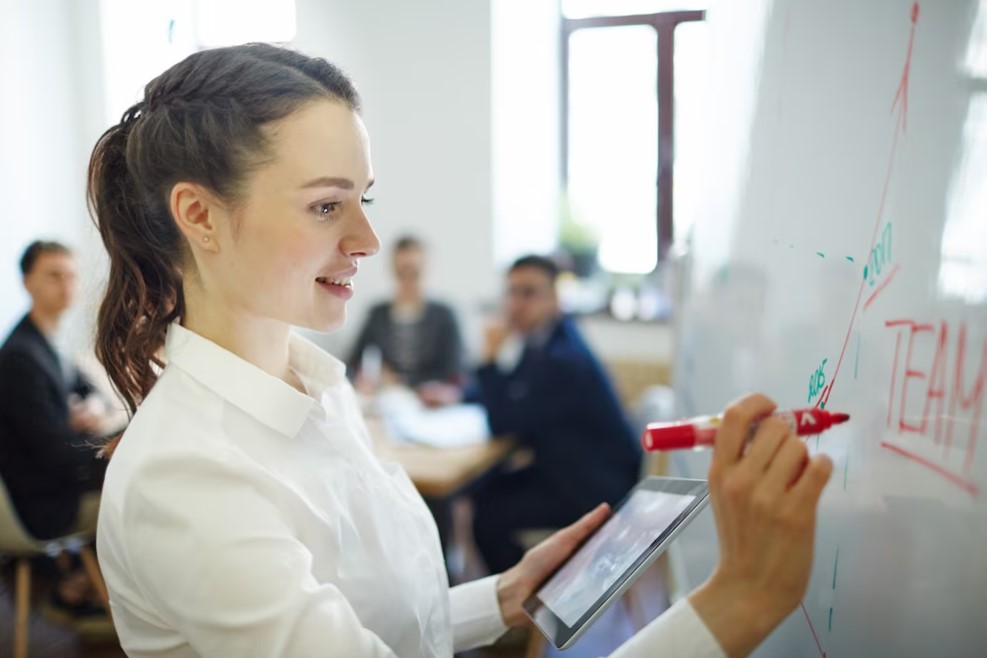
point(839, 257)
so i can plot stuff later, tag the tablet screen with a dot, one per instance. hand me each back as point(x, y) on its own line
point(611, 552)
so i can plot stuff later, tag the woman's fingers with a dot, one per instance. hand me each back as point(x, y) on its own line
point(770, 436)
point(578, 531)
point(807, 490)
point(788, 464)
point(733, 433)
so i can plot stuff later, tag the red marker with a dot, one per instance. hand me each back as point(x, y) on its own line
point(700, 432)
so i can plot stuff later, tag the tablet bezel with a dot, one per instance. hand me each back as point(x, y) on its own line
point(563, 636)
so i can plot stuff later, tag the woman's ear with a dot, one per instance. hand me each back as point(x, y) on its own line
point(195, 211)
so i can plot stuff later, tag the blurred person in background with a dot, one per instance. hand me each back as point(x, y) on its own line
point(410, 340)
point(540, 382)
point(50, 415)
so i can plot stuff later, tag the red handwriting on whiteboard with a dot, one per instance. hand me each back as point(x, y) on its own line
point(899, 104)
point(813, 630)
point(936, 368)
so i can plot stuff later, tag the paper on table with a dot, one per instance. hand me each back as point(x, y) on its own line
point(394, 401)
point(460, 425)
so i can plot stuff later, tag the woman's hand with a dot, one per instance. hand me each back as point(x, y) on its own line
point(764, 499)
point(86, 416)
point(518, 583)
point(435, 394)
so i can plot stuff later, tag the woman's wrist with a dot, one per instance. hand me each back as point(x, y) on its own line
point(739, 617)
point(510, 597)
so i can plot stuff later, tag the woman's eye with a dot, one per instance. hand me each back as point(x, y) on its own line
point(367, 201)
point(325, 210)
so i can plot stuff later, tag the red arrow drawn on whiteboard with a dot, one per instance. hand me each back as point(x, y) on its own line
point(812, 628)
point(901, 103)
point(901, 95)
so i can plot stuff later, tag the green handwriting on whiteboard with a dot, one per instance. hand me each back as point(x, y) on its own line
point(880, 256)
point(817, 381)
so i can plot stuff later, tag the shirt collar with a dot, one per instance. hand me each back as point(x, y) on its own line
point(255, 392)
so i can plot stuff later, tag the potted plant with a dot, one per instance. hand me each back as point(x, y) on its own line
point(578, 241)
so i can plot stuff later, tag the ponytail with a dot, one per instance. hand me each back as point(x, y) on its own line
point(144, 292)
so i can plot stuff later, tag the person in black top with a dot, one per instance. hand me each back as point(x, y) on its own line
point(410, 339)
point(540, 382)
point(50, 412)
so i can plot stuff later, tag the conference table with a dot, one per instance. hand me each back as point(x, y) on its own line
point(440, 472)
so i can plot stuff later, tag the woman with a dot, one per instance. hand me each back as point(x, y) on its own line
point(416, 339)
point(244, 513)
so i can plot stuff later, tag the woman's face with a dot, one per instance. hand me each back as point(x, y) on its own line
point(290, 249)
point(409, 266)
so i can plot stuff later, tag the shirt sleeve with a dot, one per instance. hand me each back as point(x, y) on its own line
point(678, 633)
point(476, 618)
point(219, 562)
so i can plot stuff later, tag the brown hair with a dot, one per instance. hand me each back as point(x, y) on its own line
point(406, 242)
point(200, 121)
point(548, 266)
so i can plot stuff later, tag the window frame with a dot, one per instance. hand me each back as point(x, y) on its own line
point(664, 23)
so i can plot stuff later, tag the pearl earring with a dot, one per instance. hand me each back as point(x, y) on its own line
point(205, 238)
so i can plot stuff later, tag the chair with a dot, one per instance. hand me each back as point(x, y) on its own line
point(18, 545)
point(633, 377)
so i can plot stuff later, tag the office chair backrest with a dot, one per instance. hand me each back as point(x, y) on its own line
point(14, 539)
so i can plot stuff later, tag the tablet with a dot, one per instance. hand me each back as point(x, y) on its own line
point(597, 573)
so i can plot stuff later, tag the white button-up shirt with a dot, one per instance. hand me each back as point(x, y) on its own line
point(243, 518)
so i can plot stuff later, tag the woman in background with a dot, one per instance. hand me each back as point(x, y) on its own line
point(244, 513)
point(410, 339)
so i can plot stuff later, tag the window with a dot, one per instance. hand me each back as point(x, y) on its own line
point(613, 142)
point(231, 22)
point(693, 63)
point(142, 39)
point(619, 137)
point(591, 8)
point(963, 264)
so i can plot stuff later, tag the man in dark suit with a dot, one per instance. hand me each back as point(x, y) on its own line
point(541, 383)
point(49, 412)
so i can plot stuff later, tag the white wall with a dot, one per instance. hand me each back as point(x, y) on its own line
point(47, 58)
point(465, 142)
point(423, 69)
point(628, 340)
point(525, 132)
